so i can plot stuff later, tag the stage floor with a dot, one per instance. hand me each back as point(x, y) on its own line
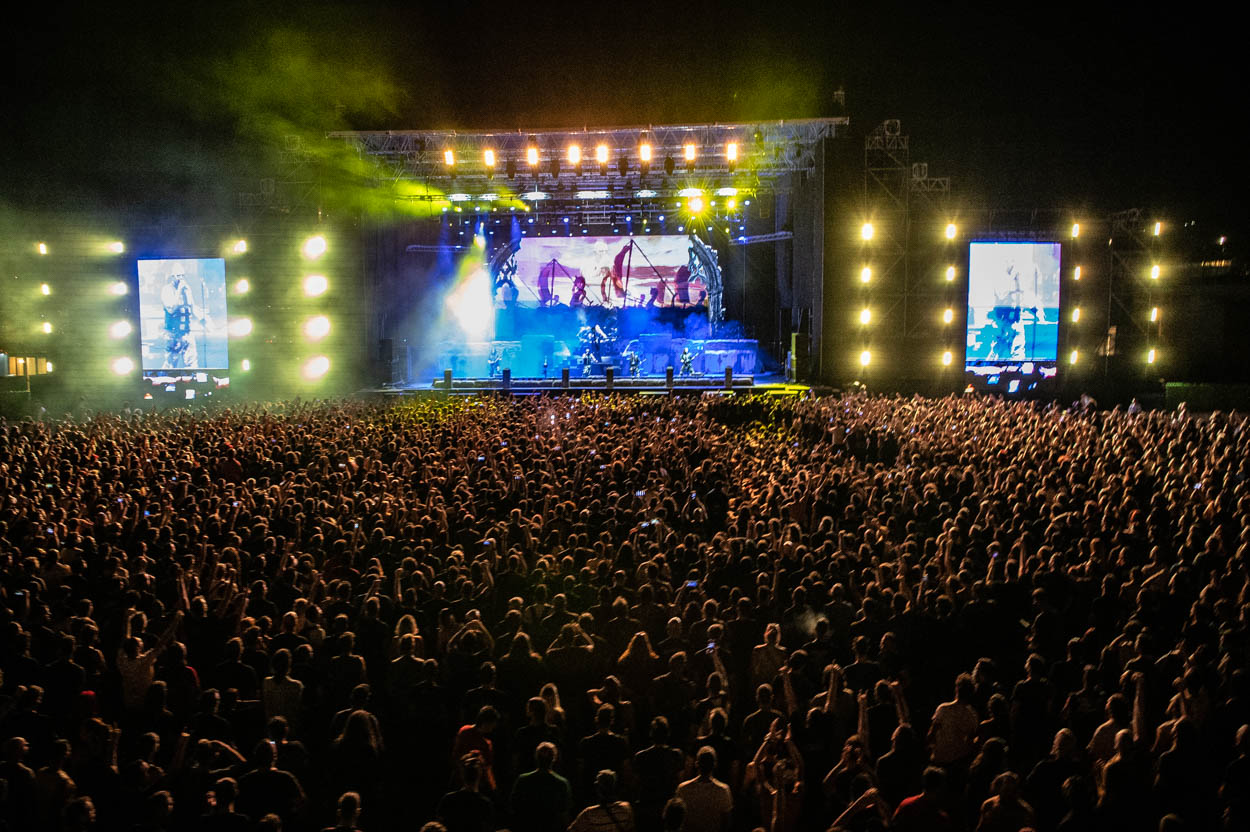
point(652, 385)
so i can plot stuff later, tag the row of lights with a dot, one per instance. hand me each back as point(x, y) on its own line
point(573, 153)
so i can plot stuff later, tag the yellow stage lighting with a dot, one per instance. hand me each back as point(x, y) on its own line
point(1076, 273)
point(242, 286)
point(1076, 315)
point(531, 156)
point(316, 367)
point(45, 289)
point(865, 315)
point(42, 248)
point(488, 157)
point(315, 284)
point(948, 315)
point(122, 365)
point(449, 157)
point(950, 273)
point(731, 151)
point(947, 358)
point(240, 247)
point(46, 326)
point(644, 152)
point(245, 365)
point(1073, 356)
point(49, 366)
point(601, 154)
point(116, 247)
point(689, 152)
point(696, 205)
point(120, 329)
point(317, 327)
point(1158, 228)
point(1154, 272)
point(1076, 230)
point(864, 358)
point(951, 231)
point(1154, 314)
point(866, 231)
point(865, 274)
point(240, 327)
point(575, 155)
point(1150, 356)
point(314, 247)
point(119, 288)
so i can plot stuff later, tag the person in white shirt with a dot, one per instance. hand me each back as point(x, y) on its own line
point(709, 804)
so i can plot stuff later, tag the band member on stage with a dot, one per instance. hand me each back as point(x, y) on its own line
point(579, 292)
point(587, 363)
point(687, 361)
point(635, 362)
point(180, 309)
point(654, 300)
point(492, 361)
point(545, 364)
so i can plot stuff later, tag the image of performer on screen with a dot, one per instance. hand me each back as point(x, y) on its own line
point(180, 310)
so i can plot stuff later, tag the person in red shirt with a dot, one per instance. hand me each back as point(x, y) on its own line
point(924, 811)
point(476, 738)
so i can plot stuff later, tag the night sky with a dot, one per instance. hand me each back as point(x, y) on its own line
point(173, 107)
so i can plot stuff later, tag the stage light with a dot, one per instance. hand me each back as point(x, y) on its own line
point(696, 205)
point(951, 231)
point(240, 327)
point(592, 194)
point(1076, 273)
point(315, 284)
point(45, 289)
point(116, 247)
point(948, 315)
point(46, 326)
point(1222, 239)
point(644, 152)
point(531, 156)
point(601, 154)
point(726, 191)
point(732, 204)
point(316, 367)
point(1158, 228)
point(245, 365)
point(575, 155)
point(864, 358)
point(688, 152)
point(1073, 356)
point(314, 247)
point(1154, 272)
point(950, 273)
point(240, 247)
point(947, 358)
point(449, 157)
point(1076, 315)
point(1150, 356)
point(119, 288)
point(488, 158)
point(459, 197)
point(49, 366)
point(1076, 230)
point(122, 366)
point(645, 194)
point(865, 316)
point(1154, 314)
point(317, 327)
point(42, 248)
point(242, 286)
point(865, 274)
point(479, 241)
point(534, 196)
point(866, 231)
point(120, 329)
point(731, 151)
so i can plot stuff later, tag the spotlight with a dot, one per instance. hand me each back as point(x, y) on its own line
point(1150, 356)
point(531, 156)
point(644, 152)
point(240, 247)
point(601, 154)
point(242, 286)
point(731, 151)
point(46, 326)
point(488, 158)
point(122, 366)
point(864, 358)
point(1073, 357)
point(865, 315)
point(1158, 228)
point(696, 205)
point(865, 274)
point(314, 247)
point(1154, 314)
point(45, 289)
point(240, 327)
point(1222, 240)
point(1154, 272)
point(315, 284)
point(316, 367)
point(120, 329)
point(947, 358)
point(116, 247)
point(1076, 315)
point(948, 315)
point(245, 365)
point(866, 231)
point(42, 248)
point(449, 157)
point(575, 155)
point(951, 231)
point(732, 204)
point(119, 288)
point(1076, 273)
point(1076, 232)
point(688, 152)
point(49, 366)
point(317, 327)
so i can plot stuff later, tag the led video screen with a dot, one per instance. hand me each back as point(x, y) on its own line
point(606, 271)
point(1013, 303)
point(182, 314)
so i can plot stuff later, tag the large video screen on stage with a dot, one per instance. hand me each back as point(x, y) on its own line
point(1013, 303)
point(606, 271)
point(182, 314)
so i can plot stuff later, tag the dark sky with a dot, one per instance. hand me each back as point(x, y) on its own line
point(1031, 105)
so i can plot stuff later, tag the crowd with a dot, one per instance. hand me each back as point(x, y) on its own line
point(694, 614)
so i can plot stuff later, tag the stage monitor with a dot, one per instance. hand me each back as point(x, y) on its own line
point(182, 314)
point(1013, 305)
point(606, 271)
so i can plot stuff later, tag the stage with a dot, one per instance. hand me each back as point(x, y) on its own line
point(576, 384)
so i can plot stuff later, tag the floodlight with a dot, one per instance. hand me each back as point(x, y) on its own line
point(1158, 228)
point(488, 157)
point(119, 288)
point(1076, 273)
point(951, 231)
point(950, 273)
point(314, 247)
point(1073, 356)
point(317, 327)
point(122, 365)
point(696, 205)
point(947, 358)
point(866, 231)
point(864, 358)
point(46, 326)
point(1076, 315)
point(316, 367)
point(948, 315)
point(1154, 314)
point(315, 284)
point(449, 157)
point(1154, 272)
point(45, 289)
point(644, 152)
point(865, 315)
point(245, 365)
point(688, 152)
point(240, 327)
point(42, 248)
point(601, 154)
point(731, 151)
point(116, 247)
point(242, 286)
point(1076, 230)
point(240, 247)
point(1150, 356)
point(120, 329)
point(575, 155)
point(531, 156)
point(865, 274)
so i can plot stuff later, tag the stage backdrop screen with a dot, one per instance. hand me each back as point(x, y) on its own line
point(182, 314)
point(606, 271)
point(1013, 303)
